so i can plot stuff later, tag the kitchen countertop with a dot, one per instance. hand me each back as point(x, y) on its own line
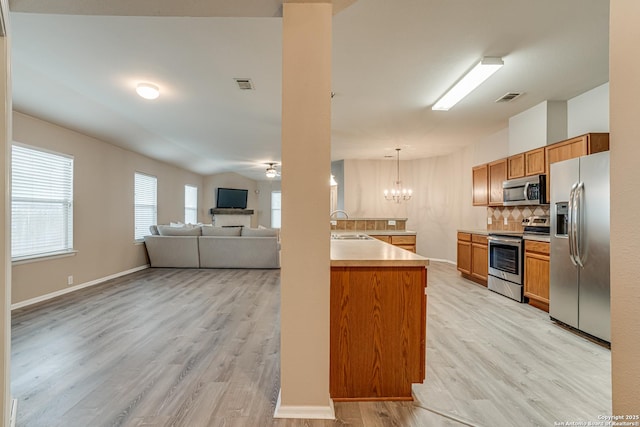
point(472, 231)
point(372, 253)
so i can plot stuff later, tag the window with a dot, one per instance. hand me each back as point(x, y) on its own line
point(146, 204)
point(276, 210)
point(41, 202)
point(190, 204)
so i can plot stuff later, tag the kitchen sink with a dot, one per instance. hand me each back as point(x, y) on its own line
point(351, 237)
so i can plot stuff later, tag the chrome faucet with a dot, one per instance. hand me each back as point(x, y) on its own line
point(339, 211)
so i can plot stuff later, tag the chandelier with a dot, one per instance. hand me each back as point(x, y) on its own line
point(397, 193)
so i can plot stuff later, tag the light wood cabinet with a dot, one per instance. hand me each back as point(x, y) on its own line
point(515, 166)
point(480, 175)
point(536, 273)
point(377, 332)
point(497, 175)
point(575, 147)
point(479, 257)
point(404, 241)
point(534, 163)
point(464, 253)
point(473, 261)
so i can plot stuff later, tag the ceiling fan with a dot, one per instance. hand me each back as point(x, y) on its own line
point(271, 171)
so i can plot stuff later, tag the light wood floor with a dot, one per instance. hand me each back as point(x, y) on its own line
point(171, 347)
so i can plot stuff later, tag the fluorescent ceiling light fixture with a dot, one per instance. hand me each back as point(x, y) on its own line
point(474, 78)
point(148, 90)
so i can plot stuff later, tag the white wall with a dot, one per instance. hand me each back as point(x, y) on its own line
point(588, 112)
point(540, 125)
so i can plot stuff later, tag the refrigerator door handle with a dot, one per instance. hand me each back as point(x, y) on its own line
point(579, 197)
point(570, 223)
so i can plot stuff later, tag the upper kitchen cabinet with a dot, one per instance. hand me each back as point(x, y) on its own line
point(534, 162)
point(480, 185)
point(497, 175)
point(515, 166)
point(583, 145)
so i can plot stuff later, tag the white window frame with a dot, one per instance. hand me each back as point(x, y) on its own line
point(41, 203)
point(145, 200)
point(190, 204)
point(276, 213)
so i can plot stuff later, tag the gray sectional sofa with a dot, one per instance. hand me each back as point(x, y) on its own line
point(213, 247)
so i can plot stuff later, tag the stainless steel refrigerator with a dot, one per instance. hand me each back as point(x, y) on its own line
point(579, 266)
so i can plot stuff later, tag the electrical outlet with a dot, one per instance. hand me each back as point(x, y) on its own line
point(506, 222)
point(334, 222)
point(70, 280)
point(391, 222)
point(489, 221)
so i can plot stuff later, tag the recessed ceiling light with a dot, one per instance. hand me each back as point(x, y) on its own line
point(148, 90)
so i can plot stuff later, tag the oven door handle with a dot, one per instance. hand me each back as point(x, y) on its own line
point(504, 240)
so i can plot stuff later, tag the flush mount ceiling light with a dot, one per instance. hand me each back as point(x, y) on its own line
point(148, 90)
point(474, 78)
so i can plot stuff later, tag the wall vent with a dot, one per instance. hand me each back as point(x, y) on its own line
point(244, 84)
point(509, 96)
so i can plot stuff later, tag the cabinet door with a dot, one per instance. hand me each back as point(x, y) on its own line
point(464, 257)
point(515, 166)
point(536, 276)
point(479, 261)
point(480, 185)
point(497, 175)
point(534, 162)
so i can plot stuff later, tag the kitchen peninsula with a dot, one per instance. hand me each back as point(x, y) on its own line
point(378, 319)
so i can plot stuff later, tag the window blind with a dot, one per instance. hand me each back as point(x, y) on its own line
point(276, 210)
point(41, 202)
point(146, 204)
point(190, 204)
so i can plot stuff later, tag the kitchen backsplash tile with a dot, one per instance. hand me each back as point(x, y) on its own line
point(364, 224)
point(514, 216)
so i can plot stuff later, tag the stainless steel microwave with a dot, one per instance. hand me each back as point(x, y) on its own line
point(530, 190)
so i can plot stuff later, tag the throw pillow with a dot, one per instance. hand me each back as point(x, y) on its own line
point(154, 230)
point(166, 230)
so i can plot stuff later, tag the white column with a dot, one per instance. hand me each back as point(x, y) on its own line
point(306, 170)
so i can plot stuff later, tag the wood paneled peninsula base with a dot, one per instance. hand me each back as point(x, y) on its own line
point(378, 320)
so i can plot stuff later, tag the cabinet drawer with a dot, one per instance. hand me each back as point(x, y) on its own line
point(479, 238)
point(386, 239)
point(403, 240)
point(534, 246)
point(464, 237)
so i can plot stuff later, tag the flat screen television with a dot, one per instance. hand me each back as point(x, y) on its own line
point(231, 198)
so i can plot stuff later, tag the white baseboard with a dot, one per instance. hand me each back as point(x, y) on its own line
point(75, 288)
point(443, 260)
point(304, 412)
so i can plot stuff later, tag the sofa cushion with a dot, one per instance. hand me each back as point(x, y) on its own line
point(221, 231)
point(166, 230)
point(260, 232)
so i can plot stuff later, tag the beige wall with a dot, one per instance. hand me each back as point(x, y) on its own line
point(264, 201)
point(5, 221)
point(306, 159)
point(103, 208)
point(625, 231)
point(229, 180)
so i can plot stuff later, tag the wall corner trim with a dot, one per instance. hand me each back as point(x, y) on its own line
point(51, 295)
point(304, 412)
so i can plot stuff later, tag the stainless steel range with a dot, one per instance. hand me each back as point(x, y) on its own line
point(506, 257)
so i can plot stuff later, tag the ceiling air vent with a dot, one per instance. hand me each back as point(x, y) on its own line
point(509, 96)
point(244, 84)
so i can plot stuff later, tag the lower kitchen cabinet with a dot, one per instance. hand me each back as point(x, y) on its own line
point(473, 261)
point(536, 273)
